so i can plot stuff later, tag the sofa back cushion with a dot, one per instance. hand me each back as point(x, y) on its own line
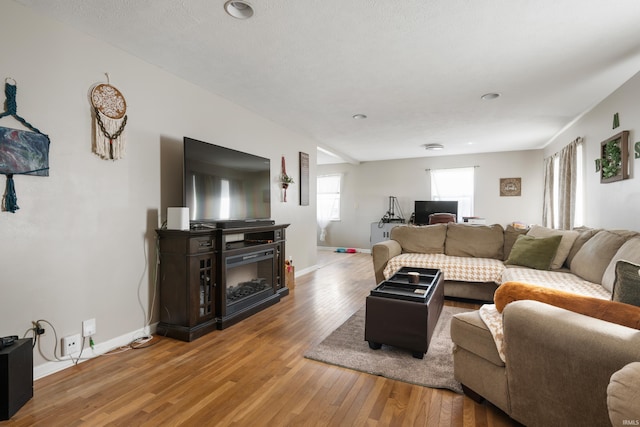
point(510, 235)
point(427, 239)
point(568, 238)
point(584, 234)
point(629, 251)
point(480, 241)
point(594, 256)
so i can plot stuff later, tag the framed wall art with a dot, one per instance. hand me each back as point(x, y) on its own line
point(510, 187)
point(614, 158)
point(304, 179)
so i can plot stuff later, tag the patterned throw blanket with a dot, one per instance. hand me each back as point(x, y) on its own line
point(551, 279)
point(466, 269)
point(469, 269)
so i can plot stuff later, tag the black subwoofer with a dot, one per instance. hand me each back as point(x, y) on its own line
point(16, 377)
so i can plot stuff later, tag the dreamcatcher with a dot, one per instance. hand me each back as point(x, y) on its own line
point(21, 152)
point(109, 108)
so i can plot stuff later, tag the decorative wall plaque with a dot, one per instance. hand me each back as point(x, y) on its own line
point(510, 186)
point(614, 155)
point(304, 179)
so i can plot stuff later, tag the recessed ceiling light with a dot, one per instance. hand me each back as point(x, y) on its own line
point(433, 147)
point(490, 96)
point(359, 116)
point(239, 9)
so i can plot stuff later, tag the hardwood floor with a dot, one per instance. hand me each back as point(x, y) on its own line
point(252, 373)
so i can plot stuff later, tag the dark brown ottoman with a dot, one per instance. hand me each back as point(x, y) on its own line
point(402, 314)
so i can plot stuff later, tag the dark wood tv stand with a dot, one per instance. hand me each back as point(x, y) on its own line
point(195, 266)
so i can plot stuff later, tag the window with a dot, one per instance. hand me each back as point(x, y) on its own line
point(454, 184)
point(329, 197)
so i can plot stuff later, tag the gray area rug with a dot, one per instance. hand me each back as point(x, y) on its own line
point(346, 347)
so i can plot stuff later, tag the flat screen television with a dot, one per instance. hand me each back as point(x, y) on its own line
point(424, 208)
point(221, 185)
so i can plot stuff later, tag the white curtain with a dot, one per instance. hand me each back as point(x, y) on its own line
point(548, 207)
point(324, 219)
point(568, 169)
point(560, 192)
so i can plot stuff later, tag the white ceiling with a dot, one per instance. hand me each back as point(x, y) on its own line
point(416, 68)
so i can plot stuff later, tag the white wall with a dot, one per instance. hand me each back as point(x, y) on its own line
point(367, 187)
point(82, 244)
point(616, 204)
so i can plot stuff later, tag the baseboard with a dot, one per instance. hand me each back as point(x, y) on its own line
point(333, 249)
point(49, 368)
point(304, 271)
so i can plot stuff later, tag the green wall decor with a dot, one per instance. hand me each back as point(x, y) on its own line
point(613, 158)
point(637, 150)
point(616, 120)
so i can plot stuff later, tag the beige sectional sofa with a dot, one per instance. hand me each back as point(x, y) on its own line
point(470, 256)
point(555, 365)
point(475, 258)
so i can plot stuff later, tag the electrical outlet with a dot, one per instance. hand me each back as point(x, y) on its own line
point(37, 328)
point(71, 344)
point(89, 327)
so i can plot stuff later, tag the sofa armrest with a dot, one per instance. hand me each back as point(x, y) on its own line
point(623, 396)
point(559, 363)
point(382, 252)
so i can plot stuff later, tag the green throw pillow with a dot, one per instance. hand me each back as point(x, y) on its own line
point(534, 252)
point(626, 288)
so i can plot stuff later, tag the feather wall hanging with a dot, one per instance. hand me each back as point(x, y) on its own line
point(21, 152)
point(109, 112)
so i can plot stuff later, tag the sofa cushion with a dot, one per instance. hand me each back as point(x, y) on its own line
point(629, 251)
point(470, 332)
point(556, 279)
point(534, 252)
point(427, 239)
point(610, 311)
point(626, 287)
point(465, 269)
point(568, 238)
point(480, 241)
point(623, 395)
point(510, 235)
point(584, 234)
point(595, 255)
